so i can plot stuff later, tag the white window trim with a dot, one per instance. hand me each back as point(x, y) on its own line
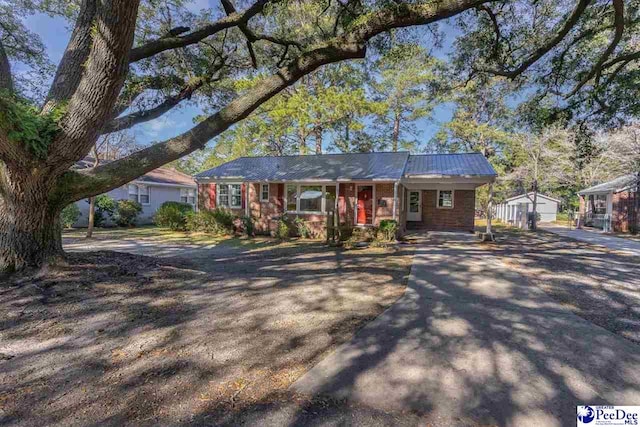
point(186, 195)
point(375, 206)
point(453, 198)
point(262, 192)
point(323, 201)
point(138, 193)
point(230, 198)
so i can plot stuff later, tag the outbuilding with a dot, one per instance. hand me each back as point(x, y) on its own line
point(510, 210)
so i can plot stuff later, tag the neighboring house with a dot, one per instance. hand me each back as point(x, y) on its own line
point(509, 210)
point(419, 191)
point(150, 190)
point(611, 206)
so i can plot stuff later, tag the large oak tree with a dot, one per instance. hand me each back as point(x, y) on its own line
point(120, 51)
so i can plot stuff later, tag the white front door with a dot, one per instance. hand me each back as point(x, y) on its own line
point(414, 212)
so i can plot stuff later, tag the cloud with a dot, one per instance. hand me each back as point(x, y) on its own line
point(155, 128)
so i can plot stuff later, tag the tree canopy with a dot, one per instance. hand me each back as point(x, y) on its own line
point(130, 61)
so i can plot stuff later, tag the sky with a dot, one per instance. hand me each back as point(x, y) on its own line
point(55, 34)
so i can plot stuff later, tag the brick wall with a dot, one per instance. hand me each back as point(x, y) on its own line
point(266, 213)
point(623, 211)
point(461, 217)
point(384, 194)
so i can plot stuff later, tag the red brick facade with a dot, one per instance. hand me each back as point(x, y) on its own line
point(266, 213)
point(460, 217)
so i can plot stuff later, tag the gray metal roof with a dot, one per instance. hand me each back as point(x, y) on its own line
point(474, 164)
point(350, 166)
point(330, 167)
point(621, 183)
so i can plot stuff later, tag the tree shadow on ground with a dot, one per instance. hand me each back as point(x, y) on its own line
point(112, 338)
point(478, 341)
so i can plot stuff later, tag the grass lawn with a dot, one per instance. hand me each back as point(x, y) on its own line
point(190, 336)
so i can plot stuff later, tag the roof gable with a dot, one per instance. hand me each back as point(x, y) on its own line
point(530, 194)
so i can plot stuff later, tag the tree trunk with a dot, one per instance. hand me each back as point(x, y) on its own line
point(534, 220)
point(92, 213)
point(396, 132)
point(30, 234)
point(318, 135)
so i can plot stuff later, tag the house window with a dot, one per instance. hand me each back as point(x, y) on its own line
point(188, 195)
point(139, 193)
point(143, 194)
point(236, 195)
point(229, 195)
point(307, 198)
point(133, 192)
point(598, 204)
point(311, 198)
point(292, 196)
point(264, 193)
point(445, 199)
point(223, 194)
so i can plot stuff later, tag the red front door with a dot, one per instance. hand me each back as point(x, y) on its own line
point(365, 205)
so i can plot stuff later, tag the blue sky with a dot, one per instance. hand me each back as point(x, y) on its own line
point(55, 35)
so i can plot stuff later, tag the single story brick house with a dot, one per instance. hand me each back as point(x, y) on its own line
point(432, 191)
point(612, 205)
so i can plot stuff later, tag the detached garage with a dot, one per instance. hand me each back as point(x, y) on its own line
point(511, 209)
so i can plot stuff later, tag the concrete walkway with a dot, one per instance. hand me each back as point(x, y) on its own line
point(471, 343)
point(597, 238)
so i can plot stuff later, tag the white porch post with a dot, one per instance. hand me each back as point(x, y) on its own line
point(247, 198)
point(489, 208)
point(395, 200)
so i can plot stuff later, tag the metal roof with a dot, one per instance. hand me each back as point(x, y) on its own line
point(621, 183)
point(474, 164)
point(350, 166)
point(330, 167)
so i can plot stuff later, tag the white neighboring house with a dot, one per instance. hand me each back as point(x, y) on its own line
point(150, 190)
point(509, 210)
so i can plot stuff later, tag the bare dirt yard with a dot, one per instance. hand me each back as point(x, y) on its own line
point(180, 338)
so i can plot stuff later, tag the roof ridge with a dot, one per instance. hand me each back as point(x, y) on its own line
point(321, 154)
point(445, 154)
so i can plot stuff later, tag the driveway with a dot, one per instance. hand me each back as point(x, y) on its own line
point(597, 238)
point(473, 341)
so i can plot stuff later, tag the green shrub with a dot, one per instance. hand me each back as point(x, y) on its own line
point(105, 207)
point(173, 215)
point(282, 231)
point(208, 222)
point(70, 215)
point(127, 212)
point(302, 228)
point(387, 231)
point(248, 226)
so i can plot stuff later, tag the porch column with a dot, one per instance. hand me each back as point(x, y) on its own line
point(395, 200)
point(489, 209)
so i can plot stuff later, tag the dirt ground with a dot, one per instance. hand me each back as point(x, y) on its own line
point(115, 339)
point(597, 284)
